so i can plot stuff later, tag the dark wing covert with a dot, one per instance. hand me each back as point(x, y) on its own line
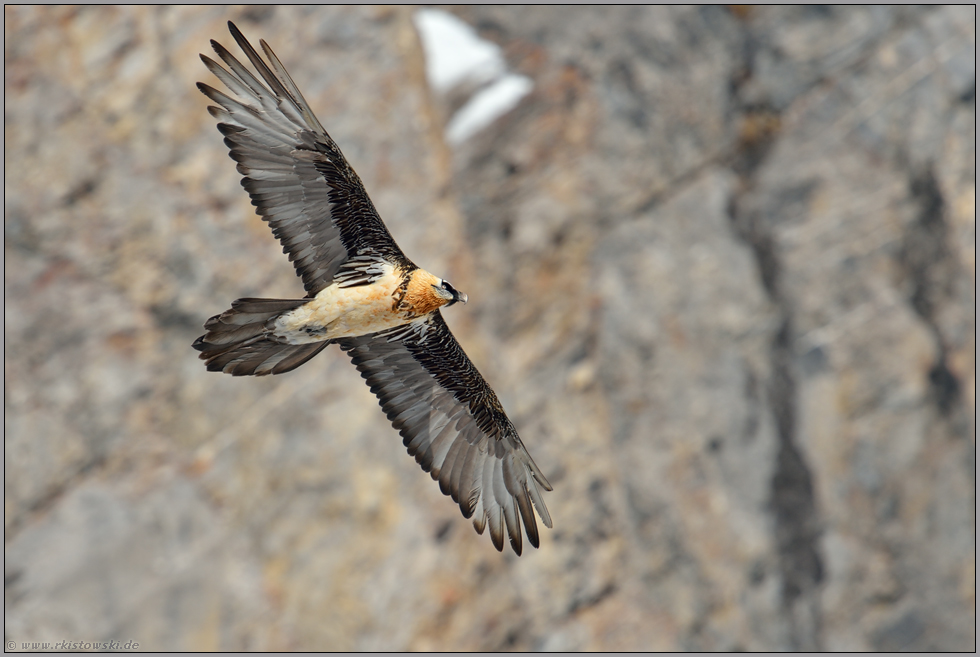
point(454, 426)
point(295, 173)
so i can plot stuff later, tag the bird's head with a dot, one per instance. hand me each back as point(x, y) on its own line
point(444, 290)
point(426, 293)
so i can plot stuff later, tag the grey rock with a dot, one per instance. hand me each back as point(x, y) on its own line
point(721, 269)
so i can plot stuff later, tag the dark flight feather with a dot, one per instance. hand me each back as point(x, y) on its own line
point(452, 423)
point(296, 175)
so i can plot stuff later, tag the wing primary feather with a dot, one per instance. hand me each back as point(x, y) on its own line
point(294, 172)
point(445, 476)
point(409, 419)
point(294, 91)
point(434, 457)
point(532, 466)
point(456, 482)
point(465, 484)
point(485, 503)
point(255, 88)
point(233, 82)
point(507, 504)
point(527, 513)
point(260, 66)
point(497, 528)
point(515, 478)
point(539, 504)
point(479, 522)
point(514, 527)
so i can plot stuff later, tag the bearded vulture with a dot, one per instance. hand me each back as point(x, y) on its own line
point(364, 295)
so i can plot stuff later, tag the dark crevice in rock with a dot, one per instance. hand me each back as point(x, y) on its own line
point(930, 270)
point(792, 499)
point(257, 15)
point(792, 502)
point(592, 600)
point(627, 96)
point(944, 384)
point(924, 247)
point(443, 531)
point(677, 184)
point(174, 318)
point(54, 493)
point(760, 241)
point(80, 191)
point(969, 96)
point(902, 634)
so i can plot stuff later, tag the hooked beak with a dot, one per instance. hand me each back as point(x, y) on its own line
point(455, 294)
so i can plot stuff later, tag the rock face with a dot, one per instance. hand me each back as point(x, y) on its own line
point(721, 269)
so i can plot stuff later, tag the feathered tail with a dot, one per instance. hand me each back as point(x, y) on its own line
point(238, 340)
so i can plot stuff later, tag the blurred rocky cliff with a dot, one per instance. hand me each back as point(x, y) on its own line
point(721, 269)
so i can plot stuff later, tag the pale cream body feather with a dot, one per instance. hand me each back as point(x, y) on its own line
point(344, 312)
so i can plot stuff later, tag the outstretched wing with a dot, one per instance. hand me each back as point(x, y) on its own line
point(294, 172)
point(454, 426)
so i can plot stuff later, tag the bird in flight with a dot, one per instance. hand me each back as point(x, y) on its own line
point(364, 295)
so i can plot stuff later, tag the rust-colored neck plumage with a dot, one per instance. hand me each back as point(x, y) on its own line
point(420, 297)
